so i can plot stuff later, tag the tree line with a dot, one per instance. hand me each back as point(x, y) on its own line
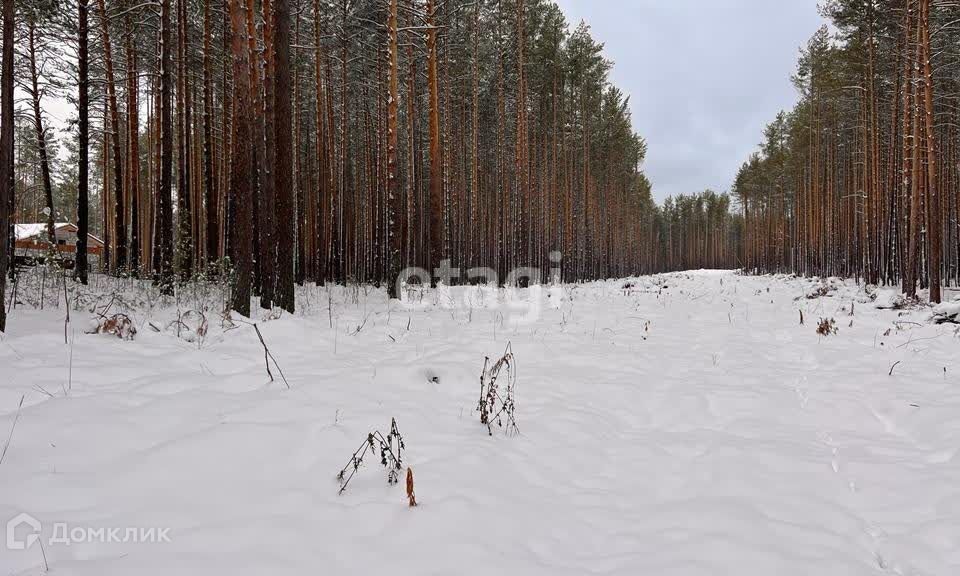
point(291, 141)
point(860, 179)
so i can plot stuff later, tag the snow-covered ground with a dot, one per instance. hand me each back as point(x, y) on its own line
point(686, 424)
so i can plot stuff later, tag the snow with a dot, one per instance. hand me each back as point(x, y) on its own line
point(24, 231)
point(682, 424)
point(948, 309)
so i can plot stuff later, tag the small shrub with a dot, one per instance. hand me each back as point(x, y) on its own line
point(391, 456)
point(119, 325)
point(191, 326)
point(820, 291)
point(827, 327)
point(904, 302)
point(497, 404)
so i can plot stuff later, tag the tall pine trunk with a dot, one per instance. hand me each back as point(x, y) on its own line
point(394, 202)
point(437, 236)
point(184, 250)
point(283, 167)
point(6, 155)
point(209, 194)
point(934, 228)
point(241, 178)
point(119, 219)
point(41, 132)
point(83, 144)
point(163, 254)
point(133, 147)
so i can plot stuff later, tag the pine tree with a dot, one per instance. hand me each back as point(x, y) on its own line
point(83, 135)
point(6, 153)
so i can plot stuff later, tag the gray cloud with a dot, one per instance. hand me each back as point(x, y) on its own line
point(704, 77)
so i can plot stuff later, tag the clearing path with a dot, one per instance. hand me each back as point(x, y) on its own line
point(681, 424)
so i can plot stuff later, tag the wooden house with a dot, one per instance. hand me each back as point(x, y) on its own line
point(32, 240)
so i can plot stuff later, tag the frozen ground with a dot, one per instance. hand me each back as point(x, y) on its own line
point(686, 425)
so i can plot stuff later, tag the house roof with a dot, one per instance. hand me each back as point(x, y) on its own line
point(25, 231)
point(29, 230)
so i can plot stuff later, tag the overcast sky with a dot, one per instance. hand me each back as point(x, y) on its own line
point(704, 77)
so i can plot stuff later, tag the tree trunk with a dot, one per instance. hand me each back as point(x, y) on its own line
point(262, 194)
point(119, 219)
point(934, 227)
point(320, 212)
point(395, 206)
point(83, 131)
point(164, 223)
point(521, 251)
point(241, 179)
point(133, 147)
point(910, 275)
point(437, 236)
point(184, 250)
point(211, 208)
point(41, 133)
point(6, 155)
point(283, 168)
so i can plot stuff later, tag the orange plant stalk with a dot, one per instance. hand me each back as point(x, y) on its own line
point(411, 495)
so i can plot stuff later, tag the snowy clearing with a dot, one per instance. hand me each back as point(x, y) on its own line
point(681, 424)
